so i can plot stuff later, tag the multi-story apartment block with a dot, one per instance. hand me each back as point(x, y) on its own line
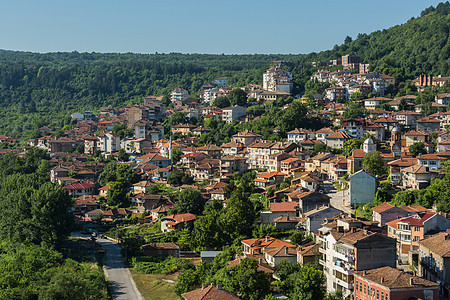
point(108, 142)
point(179, 94)
point(351, 60)
point(408, 231)
point(234, 113)
point(232, 164)
point(387, 283)
point(275, 79)
point(434, 260)
point(336, 93)
point(347, 249)
point(354, 127)
point(246, 137)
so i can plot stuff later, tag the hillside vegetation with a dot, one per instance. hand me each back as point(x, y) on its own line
point(43, 89)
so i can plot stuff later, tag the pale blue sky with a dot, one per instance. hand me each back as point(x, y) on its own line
point(195, 26)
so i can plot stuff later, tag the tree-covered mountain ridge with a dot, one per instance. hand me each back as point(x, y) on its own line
point(39, 89)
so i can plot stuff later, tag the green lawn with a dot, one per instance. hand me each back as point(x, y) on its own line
point(153, 287)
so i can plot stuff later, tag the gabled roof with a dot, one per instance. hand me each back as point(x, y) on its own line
point(247, 133)
point(382, 207)
point(282, 251)
point(283, 206)
point(414, 220)
point(416, 133)
point(428, 120)
point(395, 279)
point(209, 293)
point(180, 218)
point(79, 186)
point(266, 243)
point(340, 135)
point(438, 243)
point(417, 169)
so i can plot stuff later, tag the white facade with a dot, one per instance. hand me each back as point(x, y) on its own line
point(179, 95)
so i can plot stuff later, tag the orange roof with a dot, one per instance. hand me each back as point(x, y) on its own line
point(382, 207)
point(266, 243)
point(283, 206)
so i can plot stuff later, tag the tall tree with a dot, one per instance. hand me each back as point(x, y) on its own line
point(373, 163)
point(190, 201)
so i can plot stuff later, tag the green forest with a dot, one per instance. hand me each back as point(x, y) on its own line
point(43, 89)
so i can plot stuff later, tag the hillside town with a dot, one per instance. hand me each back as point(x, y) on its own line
point(333, 183)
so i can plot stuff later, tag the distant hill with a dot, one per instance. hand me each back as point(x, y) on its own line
point(421, 45)
point(43, 89)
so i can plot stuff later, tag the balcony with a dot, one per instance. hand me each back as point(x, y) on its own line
point(344, 257)
point(341, 269)
point(322, 250)
point(347, 285)
point(322, 262)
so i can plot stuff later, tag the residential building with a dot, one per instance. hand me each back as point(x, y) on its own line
point(246, 137)
point(434, 260)
point(315, 217)
point(209, 292)
point(80, 189)
point(258, 246)
point(428, 124)
point(432, 161)
point(108, 142)
point(322, 134)
point(183, 129)
point(177, 222)
point(232, 164)
point(161, 249)
point(375, 102)
point(179, 94)
point(387, 283)
point(345, 251)
point(386, 212)
point(337, 140)
point(408, 231)
point(354, 127)
point(299, 135)
point(234, 113)
point(417, 177)
point(363, 187)
point(415, 136)
point(279, 209)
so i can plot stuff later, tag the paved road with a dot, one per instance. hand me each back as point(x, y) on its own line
point(116, 272)
point(338, 199)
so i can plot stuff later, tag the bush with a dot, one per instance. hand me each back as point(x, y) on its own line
point(159, 265)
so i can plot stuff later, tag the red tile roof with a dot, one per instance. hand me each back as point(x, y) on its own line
point(283, 206)
point(415, 220)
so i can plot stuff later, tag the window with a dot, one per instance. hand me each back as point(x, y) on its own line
point(417, 229)
point(360, 286)
point(416, 238)
point(382, 295)
point(364, 288)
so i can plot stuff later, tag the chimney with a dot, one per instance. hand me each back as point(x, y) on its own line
point(203, 286)
point(286, 250)
point(364, 273)
point(183, 219)
point(382, 280)
point(411, 281)
point(219, 287)
point(267, 238)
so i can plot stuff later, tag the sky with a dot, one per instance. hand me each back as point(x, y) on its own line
point(195, 26)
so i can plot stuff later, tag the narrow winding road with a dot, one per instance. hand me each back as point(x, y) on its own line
point(116, 272)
